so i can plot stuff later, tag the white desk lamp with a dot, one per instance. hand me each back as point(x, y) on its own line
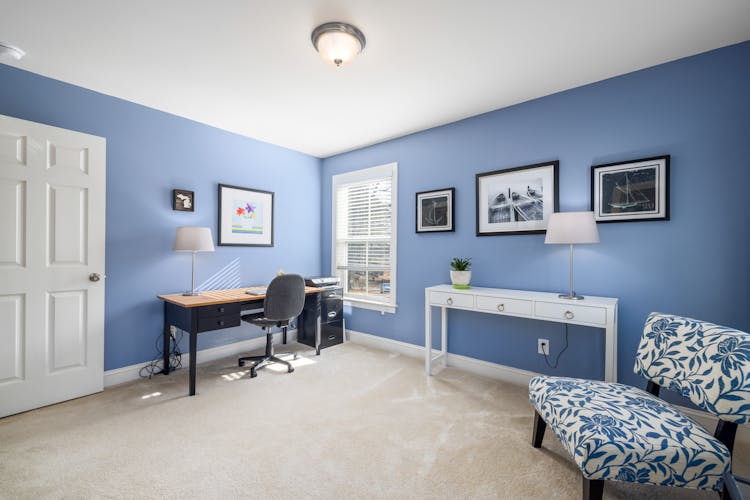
point(571, 228)
point(194, 240)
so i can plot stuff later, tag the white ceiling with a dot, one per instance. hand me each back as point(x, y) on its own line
point(248, 65)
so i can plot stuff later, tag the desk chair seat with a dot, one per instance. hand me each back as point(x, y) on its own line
point(285, 298)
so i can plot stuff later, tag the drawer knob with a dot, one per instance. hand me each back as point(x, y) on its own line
point(332, 337)
point(221, 309)
point(332, 314)
point(569, 314)
point(501, 307)
point(221, 323)
point(450, 301)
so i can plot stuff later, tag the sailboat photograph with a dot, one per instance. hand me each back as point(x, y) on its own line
point(635, 190)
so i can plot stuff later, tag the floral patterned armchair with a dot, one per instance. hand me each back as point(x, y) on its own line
point(621, 433)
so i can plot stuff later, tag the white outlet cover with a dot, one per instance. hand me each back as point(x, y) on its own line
point(543, 346)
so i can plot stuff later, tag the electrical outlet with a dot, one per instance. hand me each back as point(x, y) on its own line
point(542, 346)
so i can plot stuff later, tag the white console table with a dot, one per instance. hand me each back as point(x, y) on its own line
point(599, 312)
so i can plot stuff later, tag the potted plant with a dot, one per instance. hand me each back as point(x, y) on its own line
point(461, 274)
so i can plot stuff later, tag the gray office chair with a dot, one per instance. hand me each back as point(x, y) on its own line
point(284, 300)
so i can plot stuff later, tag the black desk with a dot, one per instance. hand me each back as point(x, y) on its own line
point(213, 310)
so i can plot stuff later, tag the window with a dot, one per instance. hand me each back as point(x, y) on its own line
point(364, 236)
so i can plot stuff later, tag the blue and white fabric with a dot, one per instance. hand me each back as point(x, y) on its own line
point(706, 363)
point(617, 432)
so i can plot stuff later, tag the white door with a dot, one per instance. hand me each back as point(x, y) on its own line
point(52, 201)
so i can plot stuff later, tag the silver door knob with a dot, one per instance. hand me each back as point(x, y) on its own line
point(95, 277)
point(450, 301)
point(568, 315)
point(501, 307)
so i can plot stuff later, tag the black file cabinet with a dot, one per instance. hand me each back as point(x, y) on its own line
point(329, 307)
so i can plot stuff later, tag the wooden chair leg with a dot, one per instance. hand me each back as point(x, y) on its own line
point(538, 434)
point(593, 489)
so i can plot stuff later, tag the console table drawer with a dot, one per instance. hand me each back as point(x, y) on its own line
point(451, 299)
point(504, 305)
point(579, 314)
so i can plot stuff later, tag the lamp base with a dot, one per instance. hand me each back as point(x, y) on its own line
point(190, 294)
point(571, 296)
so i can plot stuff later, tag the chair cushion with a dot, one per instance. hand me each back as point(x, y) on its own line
point(618, 432)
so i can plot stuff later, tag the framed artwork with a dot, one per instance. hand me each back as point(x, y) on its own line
point(245, 217)
point(517, 200)
point(183, 200)
point(436, 211)
point(631, 191)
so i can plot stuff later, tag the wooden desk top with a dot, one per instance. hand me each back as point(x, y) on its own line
point(214, 297)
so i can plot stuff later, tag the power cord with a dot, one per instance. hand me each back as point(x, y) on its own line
point(175, 356)
point(557, 359)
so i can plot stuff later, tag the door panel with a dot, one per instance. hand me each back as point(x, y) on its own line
point(67, 157)
point(66, 232)
point(12, 222)
point(12, 149)
point(66, 334)
point(52, 215)
point(11, 338)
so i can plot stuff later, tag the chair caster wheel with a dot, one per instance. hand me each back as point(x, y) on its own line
point(290, 370)
point(253, 374)
point(240, 363)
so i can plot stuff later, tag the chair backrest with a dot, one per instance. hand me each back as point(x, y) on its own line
point(285, 297)
point(706, 363)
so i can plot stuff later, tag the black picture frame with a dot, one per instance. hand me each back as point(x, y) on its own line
point(644, 197)
point(245, 233)
point(538, 177)
point(442, 222)
point(183, 200)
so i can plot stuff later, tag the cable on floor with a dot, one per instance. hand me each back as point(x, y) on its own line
point(154, 367)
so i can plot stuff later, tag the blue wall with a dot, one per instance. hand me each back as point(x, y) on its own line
point(695, 109)
point(148, 154)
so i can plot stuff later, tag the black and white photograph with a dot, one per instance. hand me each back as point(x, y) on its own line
point(183, 200)
point(516, 200)
point(631, 191)
point(435, 211)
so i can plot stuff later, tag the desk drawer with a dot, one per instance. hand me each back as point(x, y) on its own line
point(579, 314)
point(451, 299)
point(218, 322)
point(219, 310)
point(504, 305)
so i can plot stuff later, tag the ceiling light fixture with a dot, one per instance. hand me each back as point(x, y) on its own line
point(11, 51)
point(338, 42)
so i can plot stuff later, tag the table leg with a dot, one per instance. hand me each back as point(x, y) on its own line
point(444, 335)
point(610, 350)
point(167, 343)
point(193, 361)
point(427, 334)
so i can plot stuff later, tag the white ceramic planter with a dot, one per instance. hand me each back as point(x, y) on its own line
point(461, 278)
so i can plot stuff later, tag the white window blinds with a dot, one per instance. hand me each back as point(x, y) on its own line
point(364, 235)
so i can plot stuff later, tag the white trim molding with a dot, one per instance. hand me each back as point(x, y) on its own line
point(488, 369)
point(132, 372)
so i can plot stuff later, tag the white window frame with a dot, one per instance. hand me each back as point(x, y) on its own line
point(388, 170)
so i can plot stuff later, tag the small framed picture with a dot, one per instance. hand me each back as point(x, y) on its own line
point(436, 211)
point(517, 200)
point(245, 217)
point(630, 191)
point(183, 200)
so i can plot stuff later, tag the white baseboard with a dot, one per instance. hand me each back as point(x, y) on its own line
point(496, 371)
point(132, 372)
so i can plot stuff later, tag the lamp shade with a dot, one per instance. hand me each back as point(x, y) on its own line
point(572, 227)
point(193, 239)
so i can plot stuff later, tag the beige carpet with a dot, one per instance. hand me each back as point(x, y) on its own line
point(353, 423)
